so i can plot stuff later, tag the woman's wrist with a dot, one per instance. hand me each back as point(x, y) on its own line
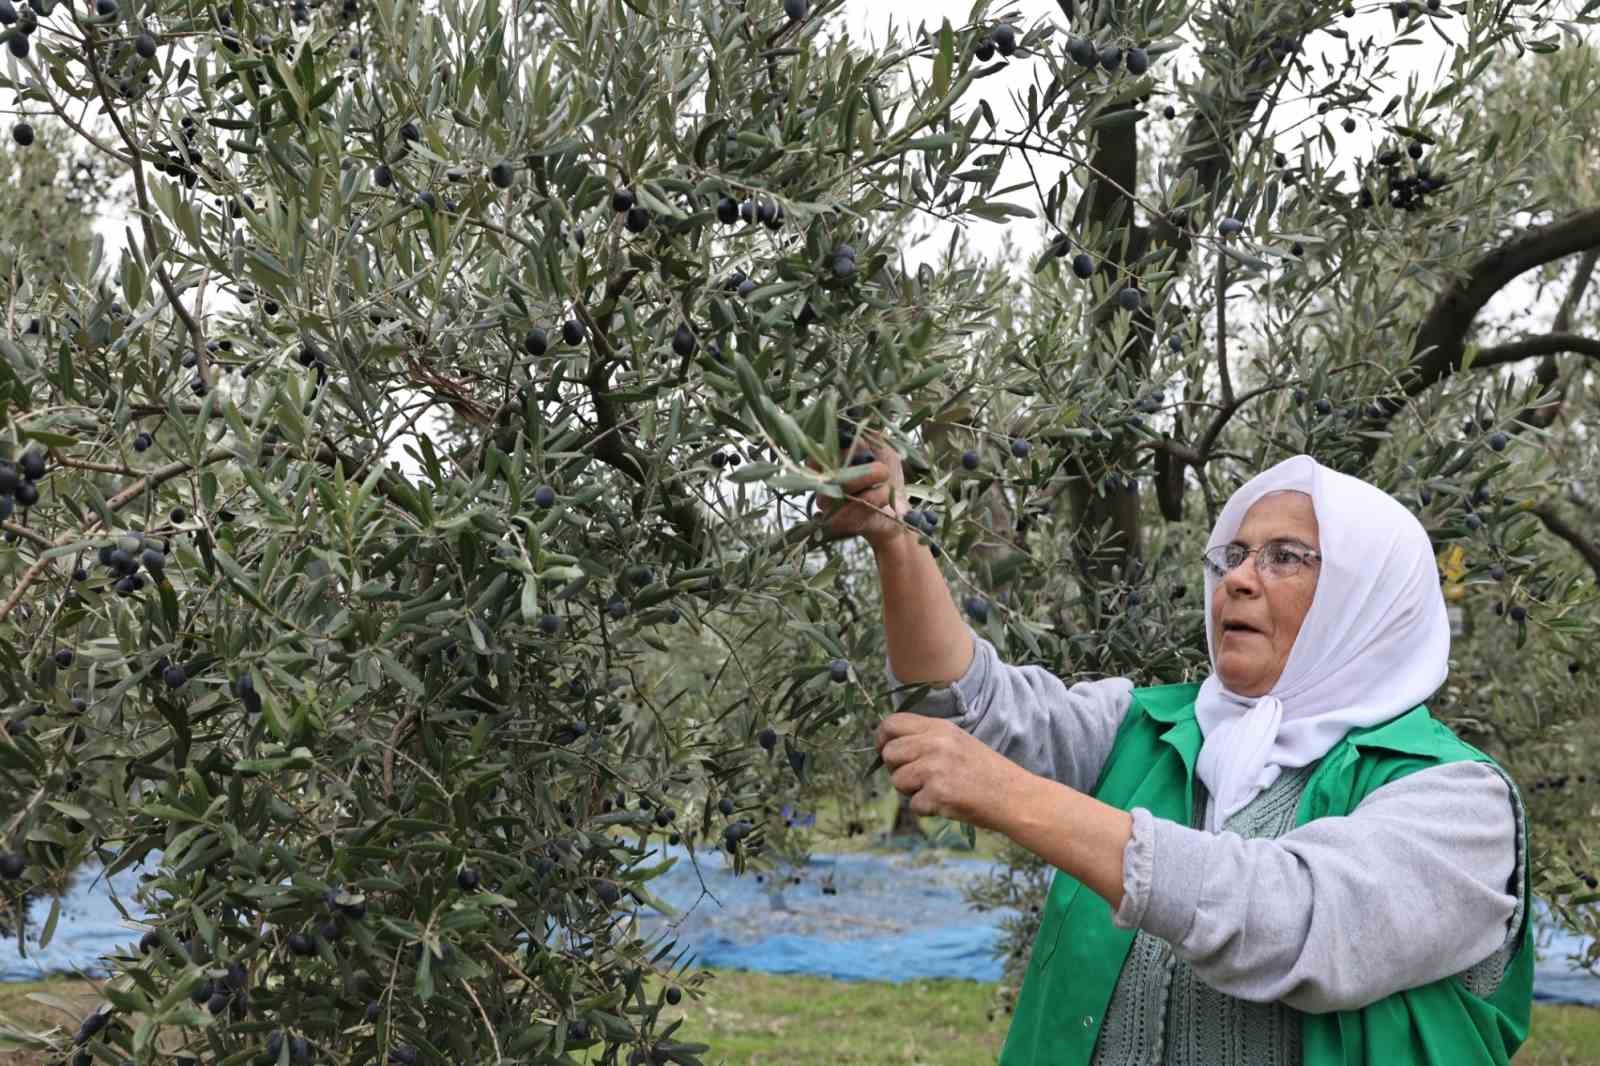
point(899, 543)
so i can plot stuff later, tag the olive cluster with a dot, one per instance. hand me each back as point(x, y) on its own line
point(19, 482)
point(1404, 192)
point(125, 557)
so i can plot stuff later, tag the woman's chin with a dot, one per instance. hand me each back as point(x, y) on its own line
point(1238, 678)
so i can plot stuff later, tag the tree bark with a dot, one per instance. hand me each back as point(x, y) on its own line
point(1208, 149)
point(1442, 338)
point(1571, 534)
point(1108, 204)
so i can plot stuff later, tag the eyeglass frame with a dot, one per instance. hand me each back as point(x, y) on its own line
point(1306, 552)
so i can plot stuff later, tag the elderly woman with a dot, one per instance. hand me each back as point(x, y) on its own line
point(1290, 862)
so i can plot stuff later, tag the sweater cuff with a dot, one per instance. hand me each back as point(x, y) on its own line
point(1137, 858)
point(948, 701)
point(1163, 869)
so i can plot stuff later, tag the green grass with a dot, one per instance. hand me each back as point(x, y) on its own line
point(753, 1019)
point(1562, 1036)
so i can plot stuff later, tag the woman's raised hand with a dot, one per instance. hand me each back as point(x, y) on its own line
point(875, 498)
point(923, 633)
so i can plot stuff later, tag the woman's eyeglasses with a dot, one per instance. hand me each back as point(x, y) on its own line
point(1275, 559)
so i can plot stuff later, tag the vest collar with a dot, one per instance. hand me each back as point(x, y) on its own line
point(1415, 732)
point(1412, 732)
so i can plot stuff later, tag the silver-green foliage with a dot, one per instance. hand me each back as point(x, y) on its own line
point(356, 652)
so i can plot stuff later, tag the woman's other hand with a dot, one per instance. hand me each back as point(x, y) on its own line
point(948, 773)
point(875, 497)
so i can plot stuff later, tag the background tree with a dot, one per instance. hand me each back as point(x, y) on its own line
point(54, 192)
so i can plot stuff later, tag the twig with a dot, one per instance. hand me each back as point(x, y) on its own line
point(487, 1024)
point(27, 534)
point(154, 478)
point(104, 468)
point(77, 127)
point(1222, 329)
point(16, 819)
point(23, 583)
point(395, 738)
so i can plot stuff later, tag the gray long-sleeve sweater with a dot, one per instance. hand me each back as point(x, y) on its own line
point(1414, 885)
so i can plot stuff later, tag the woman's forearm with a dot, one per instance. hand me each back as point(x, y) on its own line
point(1075, 833)
point(927, 640)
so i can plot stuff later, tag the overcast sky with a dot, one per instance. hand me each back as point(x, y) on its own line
point(868, 21)
point(1428, 62)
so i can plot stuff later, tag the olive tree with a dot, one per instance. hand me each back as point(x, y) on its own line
point(461, 358)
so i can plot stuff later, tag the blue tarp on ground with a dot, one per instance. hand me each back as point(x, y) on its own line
point(893, 917)
point(89, 927)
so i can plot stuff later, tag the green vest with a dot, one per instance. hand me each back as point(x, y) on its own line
point(1078, 952)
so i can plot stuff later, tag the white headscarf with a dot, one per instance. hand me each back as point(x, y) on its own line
point(1374, 644)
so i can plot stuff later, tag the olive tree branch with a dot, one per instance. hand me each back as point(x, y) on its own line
point(1528, 347)
point(104, 468)
point(77, 126)
point(115, 503)
point(609, 446)
point(1574, 297)
point(325, 454)
point(1199, 454)
point(151, 480)
point(27, 534)
point(1566, 531)
point(1222, 330)
point(1441, 339)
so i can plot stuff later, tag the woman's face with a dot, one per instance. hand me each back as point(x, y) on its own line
point(1250, 660)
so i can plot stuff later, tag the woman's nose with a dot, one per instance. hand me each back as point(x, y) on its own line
point(1242, 578)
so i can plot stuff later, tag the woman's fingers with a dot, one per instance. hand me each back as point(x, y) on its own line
point(855, 512)
point(856, 503)
point(876, 497)
point(871, 478)
point(868, 487)
point(864, 476)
